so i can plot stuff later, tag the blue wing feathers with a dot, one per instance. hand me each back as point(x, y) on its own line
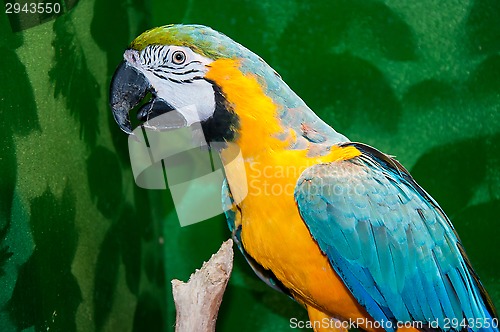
point(367, 300)
point(400, 264)
point(366, 240)
point(461, 291)
point(453, 296)
point(444, 298)
point(390, 241)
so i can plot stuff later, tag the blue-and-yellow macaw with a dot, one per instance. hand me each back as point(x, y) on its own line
point(339, 226)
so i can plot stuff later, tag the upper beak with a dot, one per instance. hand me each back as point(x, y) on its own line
point(128, 88)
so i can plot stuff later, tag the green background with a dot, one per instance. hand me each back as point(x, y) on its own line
point(83, 249)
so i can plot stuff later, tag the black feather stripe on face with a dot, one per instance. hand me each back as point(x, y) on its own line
point(223, 125)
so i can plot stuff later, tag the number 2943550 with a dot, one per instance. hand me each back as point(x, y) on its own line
point(33, 8)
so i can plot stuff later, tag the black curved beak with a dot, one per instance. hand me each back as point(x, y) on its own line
point(128, 88)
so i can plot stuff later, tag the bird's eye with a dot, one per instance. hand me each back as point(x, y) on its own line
point(178, 57)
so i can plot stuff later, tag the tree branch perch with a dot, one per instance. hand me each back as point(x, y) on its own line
point(197, 302)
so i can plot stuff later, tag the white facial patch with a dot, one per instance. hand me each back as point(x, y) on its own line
point(177, 75)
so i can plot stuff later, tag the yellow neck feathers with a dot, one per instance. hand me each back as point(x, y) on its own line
point(257, 113)
point(258, 116)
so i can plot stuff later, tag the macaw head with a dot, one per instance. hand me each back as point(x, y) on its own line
point(173, 64)
point(207, 77)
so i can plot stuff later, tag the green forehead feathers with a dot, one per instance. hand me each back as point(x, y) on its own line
point(200, 39)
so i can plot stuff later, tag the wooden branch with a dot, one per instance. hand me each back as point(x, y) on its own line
point(197, 302)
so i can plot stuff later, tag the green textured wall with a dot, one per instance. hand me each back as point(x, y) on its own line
point(83, 249)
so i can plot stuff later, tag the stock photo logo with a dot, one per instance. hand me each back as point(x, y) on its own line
point(165, 153)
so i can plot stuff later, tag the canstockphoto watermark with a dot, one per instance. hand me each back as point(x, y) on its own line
point(164, 152)
point(445, 323)
point(332, 323)
point(276, 180)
